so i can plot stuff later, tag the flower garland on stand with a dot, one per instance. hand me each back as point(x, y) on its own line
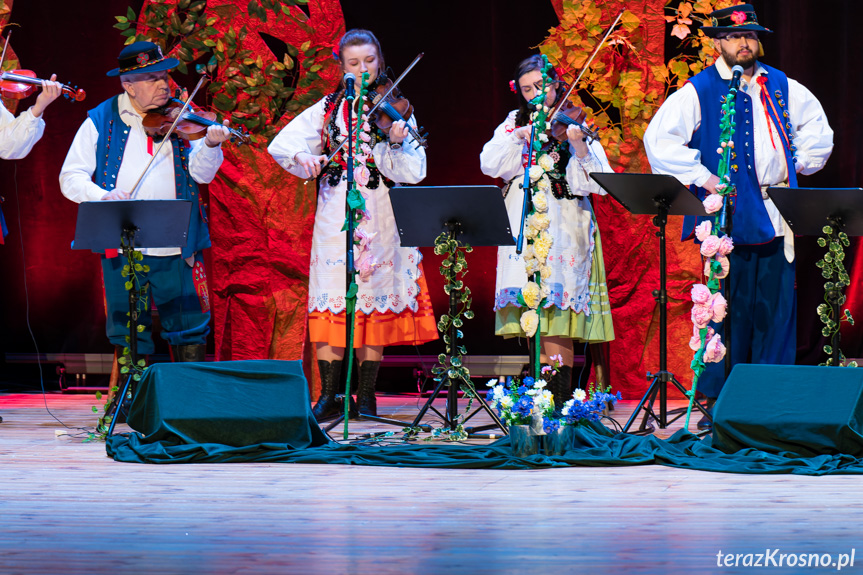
point(128, 368)
point(833, 270)
point(356, 211)
point(451, 363)
point(534, 293)
point(365, 263)
point(708, 305)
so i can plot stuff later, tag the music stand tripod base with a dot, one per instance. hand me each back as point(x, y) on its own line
point(659, 196)
point(472, 215)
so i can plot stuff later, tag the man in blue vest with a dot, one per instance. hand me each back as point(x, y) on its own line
point(106, 159)
point(781, 131)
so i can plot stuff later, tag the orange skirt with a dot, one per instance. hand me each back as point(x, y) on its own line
point(387, 328)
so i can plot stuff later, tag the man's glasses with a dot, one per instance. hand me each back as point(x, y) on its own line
point(740, 36)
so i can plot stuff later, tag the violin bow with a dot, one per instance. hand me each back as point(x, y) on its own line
point(587, 64)
point(3, 56)
point(381, 100)
point(167, 136)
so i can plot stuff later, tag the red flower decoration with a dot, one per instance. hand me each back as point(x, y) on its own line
point(738, 17)
point(142, 58)
point(512, 86)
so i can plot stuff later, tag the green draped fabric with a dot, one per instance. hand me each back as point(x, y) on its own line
point(231, 403)
point(258, 411)
point(805, 409)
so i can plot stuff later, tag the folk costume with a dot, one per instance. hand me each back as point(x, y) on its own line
point(781, 131)
point(578, 306)
point(17, 138)
point(110, 152)
point(393, 303)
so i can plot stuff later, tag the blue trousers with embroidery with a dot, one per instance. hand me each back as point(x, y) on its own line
point(184, 316)
point(763, 309)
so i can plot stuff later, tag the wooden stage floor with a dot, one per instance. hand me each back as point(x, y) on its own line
point(67, 508)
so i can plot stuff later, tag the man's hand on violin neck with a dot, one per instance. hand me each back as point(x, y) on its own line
point(116, 195)
point(217, 134)
point(51, 90)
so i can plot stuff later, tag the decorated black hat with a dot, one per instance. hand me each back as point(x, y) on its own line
point(736, 18)
point(141, 58)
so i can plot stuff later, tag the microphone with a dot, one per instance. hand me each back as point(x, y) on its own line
point(737, 72)
point(351, 90)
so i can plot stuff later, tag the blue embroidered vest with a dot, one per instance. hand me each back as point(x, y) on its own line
point(113, 134)
point(750, 222)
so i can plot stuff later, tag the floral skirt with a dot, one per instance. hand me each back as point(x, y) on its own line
point(594, 328)
point(379, 328)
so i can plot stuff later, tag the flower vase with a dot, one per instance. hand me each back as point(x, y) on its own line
point(536, 422)
point(523, 440)
point(558, 441)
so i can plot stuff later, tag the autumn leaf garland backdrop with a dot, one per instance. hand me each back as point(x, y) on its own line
point(260, 220)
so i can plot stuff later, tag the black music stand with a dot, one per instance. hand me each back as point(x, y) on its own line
point(807, 210)
point(108, 225)
point(474, 215)
point(662, 195)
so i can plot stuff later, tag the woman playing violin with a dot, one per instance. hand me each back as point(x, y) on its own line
point(393, 305)
point(578, 305)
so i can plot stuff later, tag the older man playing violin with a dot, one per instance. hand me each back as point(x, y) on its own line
point(107, 158)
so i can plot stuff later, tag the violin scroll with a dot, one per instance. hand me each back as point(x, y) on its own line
point(18, 84)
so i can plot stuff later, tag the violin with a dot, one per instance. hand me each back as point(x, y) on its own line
point(18, 84)
point(192, 126)
point(570, 115)
point(393, 109)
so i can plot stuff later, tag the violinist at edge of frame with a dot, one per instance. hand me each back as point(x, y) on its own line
point(579, 307)
point(106, 159)
point(393, 303)
point(19, 135)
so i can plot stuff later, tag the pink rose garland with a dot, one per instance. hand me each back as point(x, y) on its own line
point(714, 351)
point(712, 203)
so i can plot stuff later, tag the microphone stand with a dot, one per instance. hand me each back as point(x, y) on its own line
point(350, 270)
point(525, 186)
point(725, 217)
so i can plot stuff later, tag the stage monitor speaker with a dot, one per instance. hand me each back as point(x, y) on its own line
point(805, 410)
point(234, 403)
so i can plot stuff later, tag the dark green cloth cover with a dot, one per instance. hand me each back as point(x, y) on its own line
point(258, 411)
point(232, 403)
point(594, 447)
point(802, 409)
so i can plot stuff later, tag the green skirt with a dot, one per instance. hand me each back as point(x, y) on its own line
point(594, 328)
